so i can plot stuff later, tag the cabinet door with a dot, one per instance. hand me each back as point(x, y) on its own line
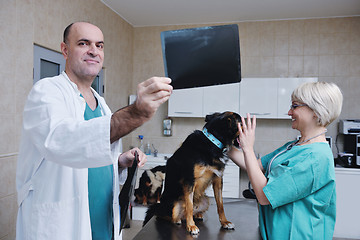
point(285, 89)
point(221, 98)
point(186, 103)
point(258, 96)
point(231, 182)
point(347, 209)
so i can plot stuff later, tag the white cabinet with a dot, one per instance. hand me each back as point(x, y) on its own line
point(221, 98)
point(264, 97)
point(347, 203)
point(285, 88)
point(186, 103)
point(258, 96)
point(198, 102)
point(268, 97)
point(231, 182)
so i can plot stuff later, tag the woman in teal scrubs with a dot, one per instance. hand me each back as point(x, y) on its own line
point(295, 184)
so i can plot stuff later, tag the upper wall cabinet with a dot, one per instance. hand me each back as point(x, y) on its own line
point(258, 96)
point(285, 88)
point(186, 103)
point(264, 97)
point(221, 98)
point(268, 97)
point(198, 102)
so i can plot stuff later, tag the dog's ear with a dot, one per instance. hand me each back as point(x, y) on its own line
point(209, 117)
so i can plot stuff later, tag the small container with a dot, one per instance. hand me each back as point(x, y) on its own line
point(155, 151)
point(167, 125)
point(148, 149)
point(141, 145)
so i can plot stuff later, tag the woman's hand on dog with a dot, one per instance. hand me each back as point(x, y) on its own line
point(126, 159)
point(247, 133)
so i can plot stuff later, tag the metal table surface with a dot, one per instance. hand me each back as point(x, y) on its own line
point(241, 212)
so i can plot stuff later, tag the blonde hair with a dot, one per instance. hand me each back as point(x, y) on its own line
point(325, 99)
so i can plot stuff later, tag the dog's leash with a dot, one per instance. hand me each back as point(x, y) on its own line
point(127, 191)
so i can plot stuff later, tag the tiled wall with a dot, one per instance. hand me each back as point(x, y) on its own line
point(23, 23)
point(324, 48)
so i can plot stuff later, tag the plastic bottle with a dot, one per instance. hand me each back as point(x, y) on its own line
point(141, 144)
point(148, 149)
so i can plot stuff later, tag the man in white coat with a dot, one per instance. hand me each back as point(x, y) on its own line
point(58, 145)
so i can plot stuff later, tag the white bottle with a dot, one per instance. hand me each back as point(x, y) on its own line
point(141, 144)
point(148, 149)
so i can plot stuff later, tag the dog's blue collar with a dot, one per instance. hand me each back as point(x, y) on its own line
point(213, 139)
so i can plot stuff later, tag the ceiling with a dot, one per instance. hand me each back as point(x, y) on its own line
point(170, 12)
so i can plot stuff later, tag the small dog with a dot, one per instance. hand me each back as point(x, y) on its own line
point(192, 168)
point(150, 186)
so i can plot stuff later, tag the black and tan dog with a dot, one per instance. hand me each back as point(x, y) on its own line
point(192, 168)
point(150, 186)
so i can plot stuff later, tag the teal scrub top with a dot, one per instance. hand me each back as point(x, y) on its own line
point(301, 192)
point(100, 184)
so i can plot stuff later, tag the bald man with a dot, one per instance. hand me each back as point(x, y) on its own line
point(70, 161)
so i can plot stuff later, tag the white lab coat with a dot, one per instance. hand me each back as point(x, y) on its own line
point(52, 174)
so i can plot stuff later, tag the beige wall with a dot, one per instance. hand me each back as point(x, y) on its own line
point(324, 48)
point(23, 23)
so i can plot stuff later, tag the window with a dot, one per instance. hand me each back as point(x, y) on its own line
point(49, 63)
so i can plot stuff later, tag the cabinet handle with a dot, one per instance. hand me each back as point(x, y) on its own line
point(184, 112)
point(260, 114)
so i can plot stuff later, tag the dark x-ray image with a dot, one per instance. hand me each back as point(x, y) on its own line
point(205, 56)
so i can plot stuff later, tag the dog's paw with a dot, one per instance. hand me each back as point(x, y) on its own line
point(193, 230)
point(199, 217)
point(228, 225)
